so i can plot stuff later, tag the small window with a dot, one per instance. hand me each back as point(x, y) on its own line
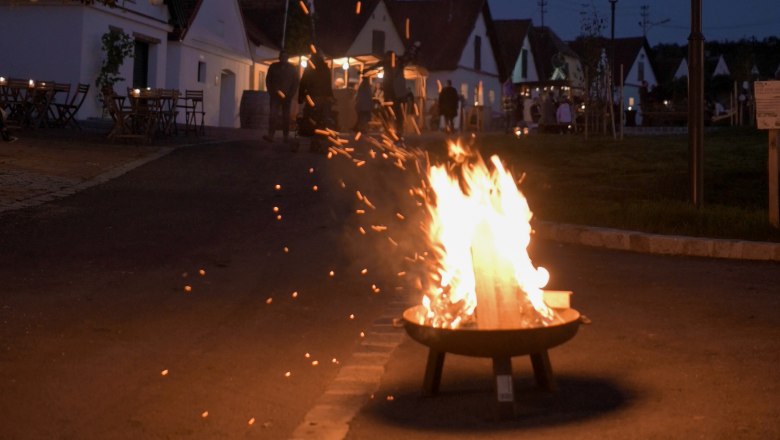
point(378, 42)
point(477, 52)
point(641, 71)
point(201, 72)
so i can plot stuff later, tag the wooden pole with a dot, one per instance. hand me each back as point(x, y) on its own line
point(774, 178)
point(622, 114)
point(696, 105)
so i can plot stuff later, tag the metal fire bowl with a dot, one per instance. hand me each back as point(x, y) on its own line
point(492, 343)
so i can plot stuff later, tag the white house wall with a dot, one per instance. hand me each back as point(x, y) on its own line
point(218, 39)
point(465, 74)
point(532, 73)
point(380, 20)
point(64, 55)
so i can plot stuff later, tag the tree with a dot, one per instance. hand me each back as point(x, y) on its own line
point(116, 46)
point(591, 44)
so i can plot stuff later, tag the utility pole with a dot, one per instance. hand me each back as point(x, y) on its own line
point(612, 68)
point(696, 104)
point(542, 8)
point(646, 24)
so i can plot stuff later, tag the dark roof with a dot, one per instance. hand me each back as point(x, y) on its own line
point(510, 35)
point(545, 44)
point(182, 14)
point(442, 27)
point(626, 51)
point(336, 23)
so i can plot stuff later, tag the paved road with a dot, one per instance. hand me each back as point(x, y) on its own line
point(94, 309)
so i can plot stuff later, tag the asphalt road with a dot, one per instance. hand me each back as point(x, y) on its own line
point(94, 308)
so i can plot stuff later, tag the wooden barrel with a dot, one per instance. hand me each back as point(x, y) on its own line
point(253, 110)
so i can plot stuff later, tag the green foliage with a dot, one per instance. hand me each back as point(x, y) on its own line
point(116, 46)
point(641, 183)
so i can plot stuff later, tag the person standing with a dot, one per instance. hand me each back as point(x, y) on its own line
point(315, 93)
point(448, 106)
point(281, 83)
point(564, 115)
point(509, 101)
point(364, 104)
point(394, 89)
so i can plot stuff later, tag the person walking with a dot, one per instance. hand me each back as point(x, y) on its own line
point(448, 106)
point(281, 83)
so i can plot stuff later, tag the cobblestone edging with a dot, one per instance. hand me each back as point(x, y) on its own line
point(356, 382)
point(659, 244)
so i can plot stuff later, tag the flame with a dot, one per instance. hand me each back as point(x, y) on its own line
point(479, 231)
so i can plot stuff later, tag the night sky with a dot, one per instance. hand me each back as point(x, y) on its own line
point(722, 19)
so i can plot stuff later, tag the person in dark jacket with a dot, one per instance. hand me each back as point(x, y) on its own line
point(364, 104)
point(315, 93)
point(448, 106)
point(281, 83)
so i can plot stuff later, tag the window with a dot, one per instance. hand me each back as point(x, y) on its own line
point(141, 65)
point(378, 42)
point(201, 72)
point(477, 52)
point(524, 64)
point(641, 72)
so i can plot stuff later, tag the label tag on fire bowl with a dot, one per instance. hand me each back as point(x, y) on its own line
point(504, 385)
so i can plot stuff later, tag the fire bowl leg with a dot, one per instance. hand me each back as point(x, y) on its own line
point(543, 371)
point(505, 392)
point(433, 371)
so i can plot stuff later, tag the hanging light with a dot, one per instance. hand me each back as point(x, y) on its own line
point(304, 62)
point(345, 64)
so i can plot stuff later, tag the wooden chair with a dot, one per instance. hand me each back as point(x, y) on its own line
point(18, 101)
point(168, 110)
point(61, 96)
point(66, 112)
point(194, 113)
point(121, 115)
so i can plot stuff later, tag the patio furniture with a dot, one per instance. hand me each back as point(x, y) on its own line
point(168, 110)
point(66, 111)
point(194, 113)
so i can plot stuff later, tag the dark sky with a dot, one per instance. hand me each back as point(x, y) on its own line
point(722, 19)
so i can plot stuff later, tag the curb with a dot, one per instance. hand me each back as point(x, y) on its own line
point(618, 239)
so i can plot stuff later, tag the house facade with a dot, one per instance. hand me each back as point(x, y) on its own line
point(177, 44)
point(69, 50)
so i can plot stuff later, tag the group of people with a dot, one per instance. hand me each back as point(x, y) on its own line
point(547, 112)
point(315, 94)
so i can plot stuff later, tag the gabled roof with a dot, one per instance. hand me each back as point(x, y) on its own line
point(182, 14)
point(510, 35)
point(545, 45)
point(336, 23)
point(442, 27)
point(626, 52)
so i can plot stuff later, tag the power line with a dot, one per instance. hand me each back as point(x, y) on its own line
point(542, 8)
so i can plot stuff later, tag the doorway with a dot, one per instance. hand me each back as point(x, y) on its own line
point(228, 109)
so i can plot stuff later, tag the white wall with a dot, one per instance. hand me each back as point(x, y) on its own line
point(379, 21)
point(466, 74)
point(69, 48)
point(217, 38)
point(532, 74)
